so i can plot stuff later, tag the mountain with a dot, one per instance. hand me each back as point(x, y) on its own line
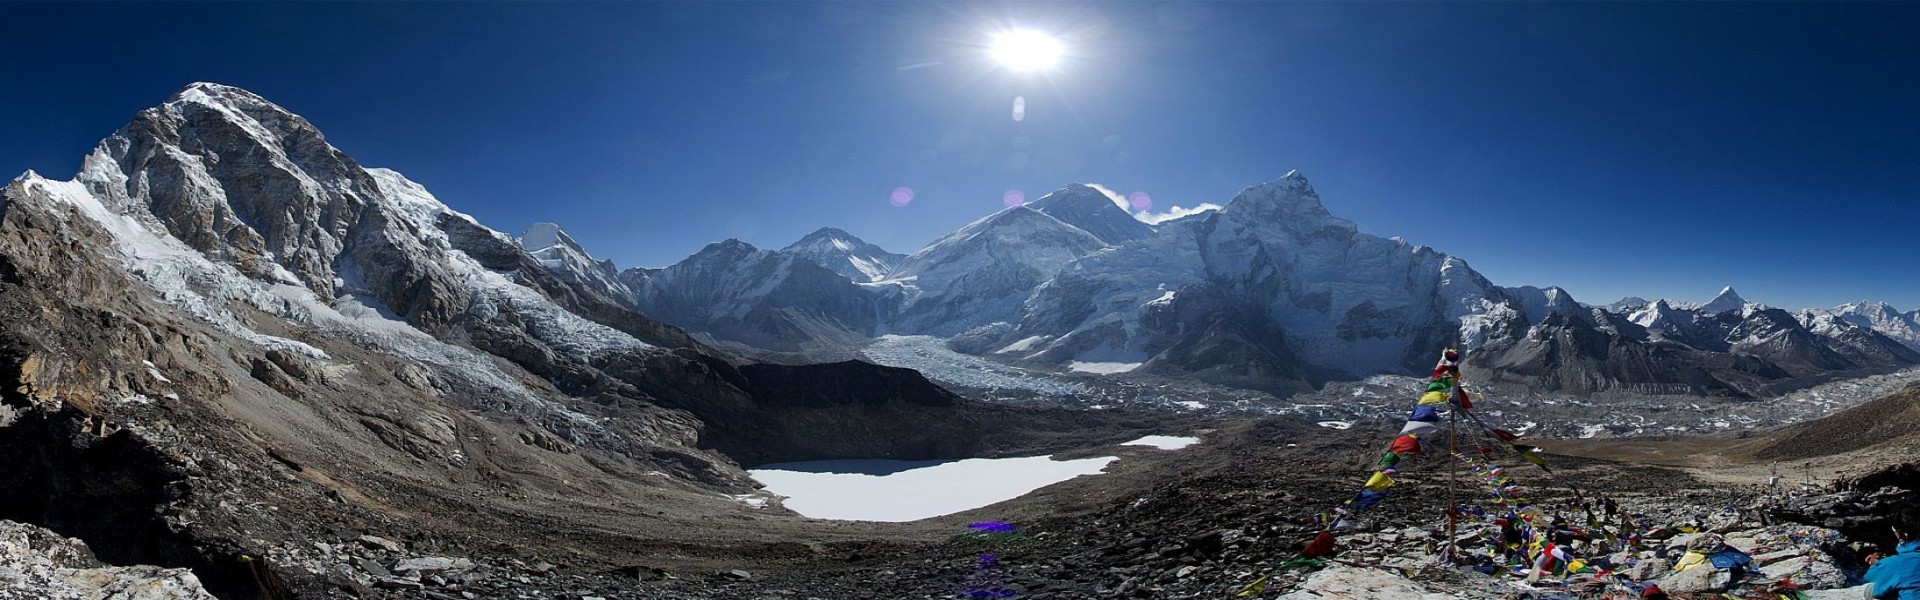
point(571, 263)
point(1271, 292)
point(1626, 304)
point(1726, 300)
point(845, 254)
point(774, 300)
point(1273, 285)
point(1090, 210)
point(226, 336)
point(982, 273)
point(1537, 304)
point(1903, 327)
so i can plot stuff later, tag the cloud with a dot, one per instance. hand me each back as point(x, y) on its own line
point(1118, 200)
point(1174, 213)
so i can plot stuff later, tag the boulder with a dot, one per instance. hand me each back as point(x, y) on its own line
point(37, 563)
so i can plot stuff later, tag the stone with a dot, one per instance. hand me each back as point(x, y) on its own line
point(395, 583)
point(1701, 579)
point(380, 543)
point(426, 563)
point(38, 563)
point(371, 567)
point(1648, 569)
point(740, 574)
point(1348, 582)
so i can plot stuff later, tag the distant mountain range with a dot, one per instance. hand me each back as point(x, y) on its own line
point(1271, 292)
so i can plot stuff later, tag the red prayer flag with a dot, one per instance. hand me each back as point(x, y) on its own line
point(1320, 546)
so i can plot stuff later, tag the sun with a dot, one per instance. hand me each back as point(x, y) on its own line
point(1026, 50)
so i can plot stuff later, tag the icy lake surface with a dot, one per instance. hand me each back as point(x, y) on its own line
point(900, 490)
point(1164, 442)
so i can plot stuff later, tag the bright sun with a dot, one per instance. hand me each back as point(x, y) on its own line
point(1026, 50)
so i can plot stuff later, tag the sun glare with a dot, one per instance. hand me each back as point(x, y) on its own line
point(1026, 50)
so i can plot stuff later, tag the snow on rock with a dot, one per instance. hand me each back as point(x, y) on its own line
point(1903, 327)
point(181, 275)
point(1274, 257)
point(984, 272)
point(1102, 368)
point(845, 254)
point(1089, 209)
point(490, 291)
point(931, 357)
point(1726, 300)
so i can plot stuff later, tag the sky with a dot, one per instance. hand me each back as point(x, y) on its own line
point(1611, 149)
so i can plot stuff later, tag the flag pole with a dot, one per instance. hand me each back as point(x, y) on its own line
point(1453, 448)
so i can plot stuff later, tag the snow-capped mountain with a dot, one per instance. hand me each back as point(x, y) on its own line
point(845, 254)
point(774, 300)
point(983, 272)
point(328, 306)
point(1537, 304)
point(1726, 300)
point(1903, 327)
point(1271, 292)
point(571, 263)
point(1082, 206)
point(1272, 276)
point(1629, 303)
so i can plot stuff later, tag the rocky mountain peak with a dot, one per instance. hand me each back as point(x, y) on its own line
point(846, 254)
point(826, 235)
point(1080, 205)
point(1725, 301)
point(1289, 197)
point(543, 235)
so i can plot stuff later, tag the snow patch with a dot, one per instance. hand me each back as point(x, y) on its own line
point(1335, 424)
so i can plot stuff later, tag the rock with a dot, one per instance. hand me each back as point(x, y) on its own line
point(372, 568)
point(1185, 571)
point(1817, 572)
point(427, 563)
point(1701, 579)
point(1648, 569)
point(1347, 582)
point(395, 583)
point(36, 563)
point(380, 543)
point(740, 574)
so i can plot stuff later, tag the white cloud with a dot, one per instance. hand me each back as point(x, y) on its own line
point(1174, 213)
point(1118, 200)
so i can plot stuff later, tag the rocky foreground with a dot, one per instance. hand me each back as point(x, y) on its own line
point(1205, 523)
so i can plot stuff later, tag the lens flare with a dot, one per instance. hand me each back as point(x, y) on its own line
point(1141, 201)
point(1026, 50)
point(1019, 108)
point(1013, 198)
point(901, 197)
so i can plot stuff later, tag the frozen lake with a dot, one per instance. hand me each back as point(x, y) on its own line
point(900, 490)
point(1164, 442)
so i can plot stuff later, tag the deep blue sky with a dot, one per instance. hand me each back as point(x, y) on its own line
point(1609, 148)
